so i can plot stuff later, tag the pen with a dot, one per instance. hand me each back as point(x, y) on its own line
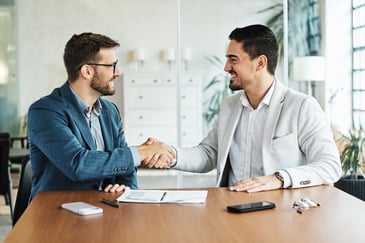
point(113, 204)
point(163, 196)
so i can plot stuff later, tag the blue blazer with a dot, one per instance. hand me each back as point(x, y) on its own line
point(62, 150)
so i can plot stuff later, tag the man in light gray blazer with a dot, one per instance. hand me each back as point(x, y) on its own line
point(267, 136)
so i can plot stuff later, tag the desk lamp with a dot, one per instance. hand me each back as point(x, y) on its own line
point(4, 72)
point(309, 69)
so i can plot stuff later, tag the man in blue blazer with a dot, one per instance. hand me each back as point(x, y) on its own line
point(76, 138)
point(267, 136)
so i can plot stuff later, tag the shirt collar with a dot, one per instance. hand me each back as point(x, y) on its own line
point(84, 107)
point(265, 101)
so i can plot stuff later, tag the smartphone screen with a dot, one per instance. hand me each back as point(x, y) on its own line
point(249, 207)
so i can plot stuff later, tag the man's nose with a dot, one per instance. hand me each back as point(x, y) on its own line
point(227, 67)
point(117, 72)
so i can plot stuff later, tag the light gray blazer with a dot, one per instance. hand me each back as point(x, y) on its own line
point(297, 138)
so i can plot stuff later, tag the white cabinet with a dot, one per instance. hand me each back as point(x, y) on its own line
point(150, 108)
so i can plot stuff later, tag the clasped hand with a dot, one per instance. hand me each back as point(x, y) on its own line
point(155, 154)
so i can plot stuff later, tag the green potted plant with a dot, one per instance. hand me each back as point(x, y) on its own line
point(352, 155)
point(218, 88)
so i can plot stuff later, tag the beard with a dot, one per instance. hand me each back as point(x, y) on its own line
point(105, 88)
point(234, 86)
point(233, 83)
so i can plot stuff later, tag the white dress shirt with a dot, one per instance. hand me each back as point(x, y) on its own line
point(246, 148)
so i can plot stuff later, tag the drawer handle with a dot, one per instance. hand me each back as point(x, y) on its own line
point(155, 80)
point(140, 97)
point(133, 81)
point(140, 117)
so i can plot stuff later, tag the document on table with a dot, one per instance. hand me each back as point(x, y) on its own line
point(163, 196)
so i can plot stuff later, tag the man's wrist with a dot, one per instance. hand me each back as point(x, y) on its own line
point(142, 151)
point(279, 176)
point(136, 156)
point(287, 181)
point(174, 161)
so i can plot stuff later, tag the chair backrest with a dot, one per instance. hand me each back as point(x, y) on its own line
point(4, 135)
point(22, 142)
point(23, 195)
point(4, 165)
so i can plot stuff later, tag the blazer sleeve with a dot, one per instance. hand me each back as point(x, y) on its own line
point(58, 134)
point(316, 141)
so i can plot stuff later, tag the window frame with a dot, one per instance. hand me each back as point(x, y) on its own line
point(358, 63)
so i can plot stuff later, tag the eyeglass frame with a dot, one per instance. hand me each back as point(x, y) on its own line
point(114, 65)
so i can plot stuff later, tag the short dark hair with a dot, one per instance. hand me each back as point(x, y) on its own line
point(258, 40)
point(83, 48)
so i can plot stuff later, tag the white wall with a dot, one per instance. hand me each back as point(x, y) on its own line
point(44, 26)
point(338, 48)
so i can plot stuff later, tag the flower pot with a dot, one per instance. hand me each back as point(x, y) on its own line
point(355, 187)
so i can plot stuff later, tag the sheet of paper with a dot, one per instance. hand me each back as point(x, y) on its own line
point(163, 196)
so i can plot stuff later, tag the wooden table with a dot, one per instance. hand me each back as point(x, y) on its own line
point(340, 218)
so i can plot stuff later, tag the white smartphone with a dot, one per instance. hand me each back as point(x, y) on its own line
point(82, 208)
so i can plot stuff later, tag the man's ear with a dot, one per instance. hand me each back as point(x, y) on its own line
point(86, 71)
point(261, 62)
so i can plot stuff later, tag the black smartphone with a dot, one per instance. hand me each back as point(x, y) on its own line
point(249, 207)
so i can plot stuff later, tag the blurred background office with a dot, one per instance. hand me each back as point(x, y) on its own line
point(171, 56)
point(175, 50)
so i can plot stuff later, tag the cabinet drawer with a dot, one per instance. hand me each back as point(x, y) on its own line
point(150, 117)
point(190, 135)
point(150, 104)
point(169, 80)
point(151, 97)
point(138, 135)
point(190, 79)
point(138, 117)
point(190, 117)
point(189, 97)
point(143, 81)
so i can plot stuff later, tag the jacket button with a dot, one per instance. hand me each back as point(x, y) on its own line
point(305, 182)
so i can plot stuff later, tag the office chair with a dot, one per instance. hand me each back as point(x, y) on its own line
point(6, 185)
point(25, 186)
point(19, 143)
point(22, 141)
point(6, 136)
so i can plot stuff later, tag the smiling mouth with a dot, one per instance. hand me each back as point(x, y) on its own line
point(233, 74)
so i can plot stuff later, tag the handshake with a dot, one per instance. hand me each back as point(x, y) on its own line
point(155, 154)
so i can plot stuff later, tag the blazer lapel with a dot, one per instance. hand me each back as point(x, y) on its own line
point(230, 128)
point(105, 122)
point(77, 116)
point(276, 104)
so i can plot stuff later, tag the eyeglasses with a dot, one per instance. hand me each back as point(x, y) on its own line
point(114, 65)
